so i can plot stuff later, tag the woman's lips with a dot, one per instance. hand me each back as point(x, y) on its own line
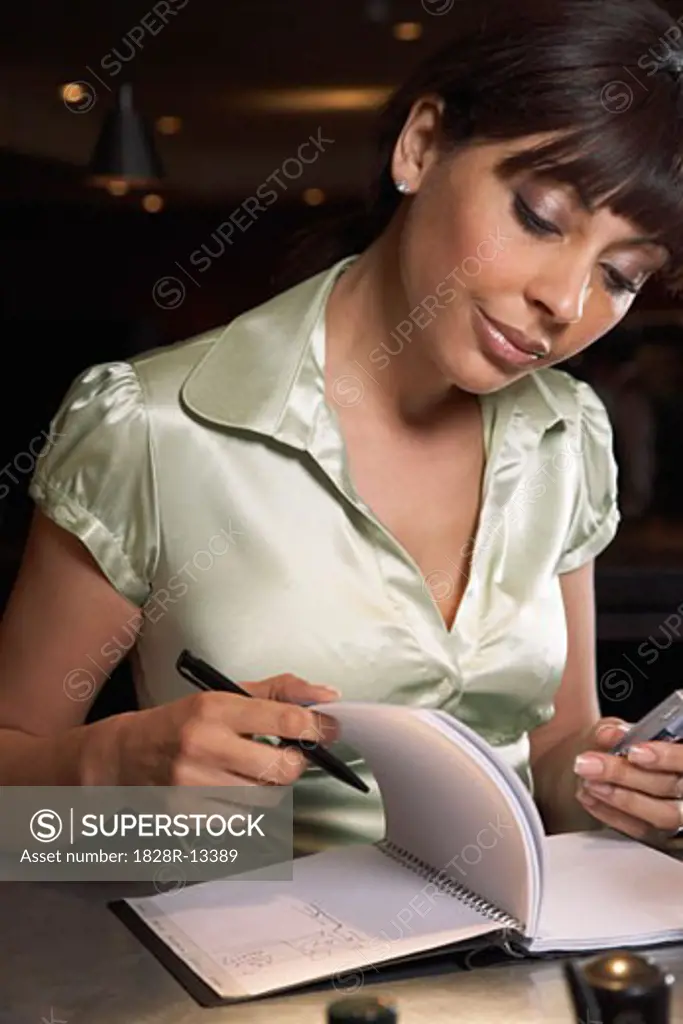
point(507, 344)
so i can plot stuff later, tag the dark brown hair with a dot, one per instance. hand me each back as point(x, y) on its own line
point(606, 75)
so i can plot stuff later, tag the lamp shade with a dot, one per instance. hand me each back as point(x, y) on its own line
point(125, 148)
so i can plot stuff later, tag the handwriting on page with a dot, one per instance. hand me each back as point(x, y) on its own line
point(330, 934)
point(287, 930)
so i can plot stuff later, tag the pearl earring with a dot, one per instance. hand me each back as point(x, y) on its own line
point(403, 187)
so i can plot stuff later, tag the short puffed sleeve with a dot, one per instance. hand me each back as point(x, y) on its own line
point(595, 518)
point(95, 478)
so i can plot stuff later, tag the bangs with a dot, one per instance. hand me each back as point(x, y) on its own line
point(636, 171)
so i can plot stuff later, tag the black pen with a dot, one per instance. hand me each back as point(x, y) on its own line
point(206, 677)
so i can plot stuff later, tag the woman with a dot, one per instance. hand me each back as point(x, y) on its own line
point(390, 489)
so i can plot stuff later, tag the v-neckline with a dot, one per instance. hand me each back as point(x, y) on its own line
point(336, 467)
point(489, 459)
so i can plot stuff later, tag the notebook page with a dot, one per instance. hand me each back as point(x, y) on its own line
point(518, 795)
point(604, 890)
point(509, 777)
point(344, 911)
point(443, 803)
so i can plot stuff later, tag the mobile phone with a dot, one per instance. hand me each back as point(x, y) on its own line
point(664, 724)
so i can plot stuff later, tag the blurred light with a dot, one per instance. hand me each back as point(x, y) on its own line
point(294, 101)
point(117, 187)
point(407, 31)
point(313, 196)
point(72, 92)
point(152, 203)
point(169, 125)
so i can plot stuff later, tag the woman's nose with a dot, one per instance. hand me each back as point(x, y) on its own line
point(562, 290)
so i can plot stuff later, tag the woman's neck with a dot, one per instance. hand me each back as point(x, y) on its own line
point(371, 337)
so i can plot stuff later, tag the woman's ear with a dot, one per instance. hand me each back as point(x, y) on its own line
point(419, 144)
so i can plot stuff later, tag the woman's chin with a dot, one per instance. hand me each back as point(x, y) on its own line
point(478, 376)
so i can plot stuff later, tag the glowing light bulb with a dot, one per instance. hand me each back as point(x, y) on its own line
point(313, 196)
point(407, 31)
point(152, 203)
point(169, 125)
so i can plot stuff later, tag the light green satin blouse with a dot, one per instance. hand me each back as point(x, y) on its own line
point(209, 481)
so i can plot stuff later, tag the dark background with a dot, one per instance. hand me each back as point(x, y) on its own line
point(79, 265)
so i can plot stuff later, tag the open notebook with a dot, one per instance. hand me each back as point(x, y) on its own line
point(464, 861)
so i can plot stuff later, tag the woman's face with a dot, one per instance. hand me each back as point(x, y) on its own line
point(505, 277)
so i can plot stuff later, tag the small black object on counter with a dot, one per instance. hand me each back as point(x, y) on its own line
point(618, 987)
point(362, 1010)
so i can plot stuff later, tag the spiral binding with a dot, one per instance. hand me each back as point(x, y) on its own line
point(449, 886)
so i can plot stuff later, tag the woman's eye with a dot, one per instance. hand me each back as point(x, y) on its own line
point(531, 222)
point(617, 284)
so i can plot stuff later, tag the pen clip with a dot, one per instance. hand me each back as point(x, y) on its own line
point(205, 676)
point(184, 666)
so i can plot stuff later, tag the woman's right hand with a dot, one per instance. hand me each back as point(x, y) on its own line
point(205, 739)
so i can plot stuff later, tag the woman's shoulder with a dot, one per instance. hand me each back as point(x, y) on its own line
point(582, 452)
point(134, 387)
point(96, 476)
point(571, 400)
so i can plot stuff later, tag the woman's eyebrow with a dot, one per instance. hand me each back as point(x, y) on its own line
point(644, 240)
point(648, 240)
point(577, 194)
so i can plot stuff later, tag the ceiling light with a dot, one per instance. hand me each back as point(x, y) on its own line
point(313, 100)
point(169, 125)
point(152, 203)
point(313, 196)
point(115, 187)
point(407, 31)
point(125, 149)
point(72, 92)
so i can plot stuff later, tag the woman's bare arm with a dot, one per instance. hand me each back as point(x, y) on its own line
point(61, 615)
point(555, 745)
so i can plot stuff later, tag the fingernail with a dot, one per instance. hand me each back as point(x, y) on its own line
point(585, 798)
point(642, 755)
point(588, 765)
point(330, 689)
point(613, 726)
point(612, 733)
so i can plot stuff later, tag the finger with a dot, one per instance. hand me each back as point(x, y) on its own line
point(265, 763)
point(660, 757)
point(292, 689)
point(609, 731)
point(606, 768)
point(611, 817)
point(211, 747)
point(192, 773)
point(664, 815)
point(248, 717)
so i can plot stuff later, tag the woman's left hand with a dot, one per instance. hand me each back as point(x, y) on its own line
point(633, 794)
